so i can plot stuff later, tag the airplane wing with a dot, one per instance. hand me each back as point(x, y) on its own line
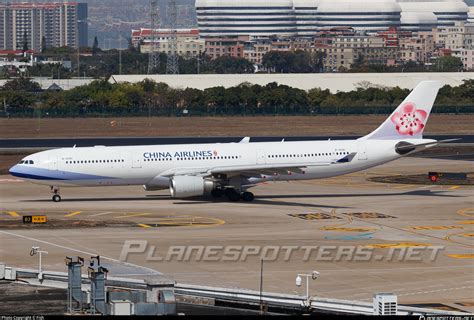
point(254, 170)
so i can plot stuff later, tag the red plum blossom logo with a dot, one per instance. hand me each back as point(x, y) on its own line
point(409, 120)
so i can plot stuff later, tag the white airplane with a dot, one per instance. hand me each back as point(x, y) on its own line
point(230, 169)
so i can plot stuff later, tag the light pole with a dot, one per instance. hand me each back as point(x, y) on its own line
point(313, 275)
point(36, 250)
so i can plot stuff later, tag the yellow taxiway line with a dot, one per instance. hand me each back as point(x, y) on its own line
point(462, 256)
point(397, 245)
point(72, 214)
point(13, 213)
point(467, 212)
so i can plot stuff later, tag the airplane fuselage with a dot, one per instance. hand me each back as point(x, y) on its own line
point(148, 165)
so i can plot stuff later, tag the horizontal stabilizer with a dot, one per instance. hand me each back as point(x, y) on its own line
point(406, 147)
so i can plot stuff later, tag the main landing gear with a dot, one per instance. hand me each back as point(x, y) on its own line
point(247, 196)
point(233, 195)
point(56, 196)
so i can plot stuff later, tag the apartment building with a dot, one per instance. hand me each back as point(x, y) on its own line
point(419, 48)
point(230, 46)
point(461, 35)
point(188, 42)
point(56, 23)
point(467, 58)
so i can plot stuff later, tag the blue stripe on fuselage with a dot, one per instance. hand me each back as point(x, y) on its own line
point(45, 174)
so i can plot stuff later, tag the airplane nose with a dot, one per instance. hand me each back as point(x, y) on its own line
point(13, 170)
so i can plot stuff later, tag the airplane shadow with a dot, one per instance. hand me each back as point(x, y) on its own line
point(427, 193)
point(259, 201)
point(264, 199)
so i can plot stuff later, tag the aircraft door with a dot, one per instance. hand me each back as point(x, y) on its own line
point(261, 157)
point(53, 163)
point(136, 160)
point(361, 150)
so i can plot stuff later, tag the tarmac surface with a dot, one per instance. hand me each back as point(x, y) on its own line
point(128, 141)
point(390, 221)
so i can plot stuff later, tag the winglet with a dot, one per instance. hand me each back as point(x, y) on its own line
point(245, 140)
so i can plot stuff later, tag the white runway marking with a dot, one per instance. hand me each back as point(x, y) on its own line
point(11, 180)
point(431, 291)
point(80, 251)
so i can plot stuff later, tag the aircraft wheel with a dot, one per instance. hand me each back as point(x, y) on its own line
point(232, 195)
point(217, 193)
point(247, 196)
point(56, 198)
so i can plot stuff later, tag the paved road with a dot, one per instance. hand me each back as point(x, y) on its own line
point(85, 142)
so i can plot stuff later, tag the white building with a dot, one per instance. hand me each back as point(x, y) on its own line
point(367, 15)
point(447, 12)
point(220, 18)
point(286, 18)
point(470, 15)
point(305, 81)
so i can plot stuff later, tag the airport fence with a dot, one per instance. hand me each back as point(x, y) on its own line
point(105, 111)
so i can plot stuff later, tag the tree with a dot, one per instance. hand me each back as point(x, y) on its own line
point(25, 41)
point(226, 64)
point(277, 61)
point(316, 96)
point(21, 84)
point(293, 62)
point(448, 64)
point(130, 44)
point(95, 46)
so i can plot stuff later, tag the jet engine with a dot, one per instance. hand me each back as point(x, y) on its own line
point(190, 186)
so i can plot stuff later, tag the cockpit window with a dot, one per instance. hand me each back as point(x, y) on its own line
point(31, 162)
point(21, 162)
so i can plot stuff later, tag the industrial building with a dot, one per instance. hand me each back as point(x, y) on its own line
point(58, 24)
point(218, 18)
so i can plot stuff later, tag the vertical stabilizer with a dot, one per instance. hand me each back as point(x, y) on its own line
point(409, 119)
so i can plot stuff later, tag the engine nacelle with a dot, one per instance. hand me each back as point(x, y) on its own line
point(190, 186)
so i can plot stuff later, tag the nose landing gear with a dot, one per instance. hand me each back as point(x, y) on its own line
point(56, 196)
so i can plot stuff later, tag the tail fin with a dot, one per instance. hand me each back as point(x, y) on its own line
point(409, 119)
